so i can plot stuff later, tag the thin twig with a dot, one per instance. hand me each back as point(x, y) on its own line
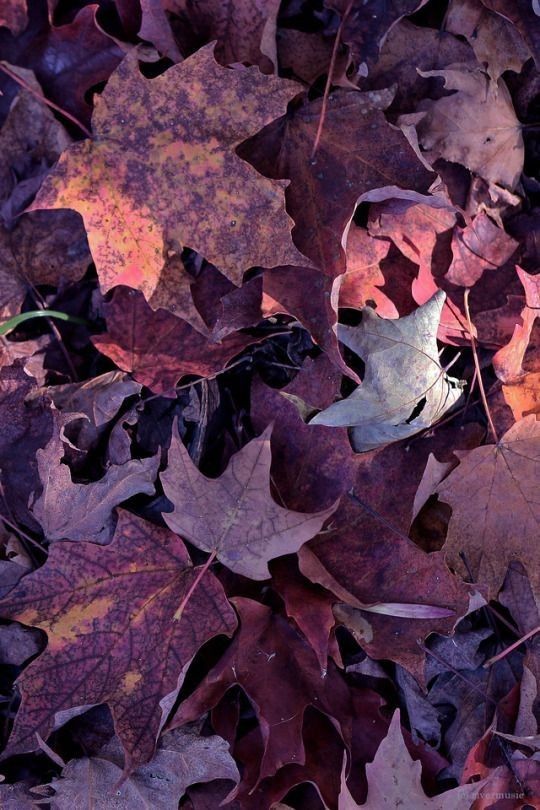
point(477, 367)
point(28, 87)
point(513, 646)
point(329, 79)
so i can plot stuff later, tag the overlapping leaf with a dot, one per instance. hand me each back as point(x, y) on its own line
point(113, 635)
point(162, 173)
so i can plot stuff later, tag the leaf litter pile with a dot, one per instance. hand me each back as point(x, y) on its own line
point(269, 393)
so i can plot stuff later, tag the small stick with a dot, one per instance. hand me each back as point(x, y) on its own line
point(329, 79)
point(28, 87)
point(202, 571)
point(513, 646)
point(477, 367)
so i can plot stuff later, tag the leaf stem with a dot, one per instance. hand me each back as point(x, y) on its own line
point(329, 79)
point(202, 571)
point(28, 87)
point(477, 367)
point(513, 646)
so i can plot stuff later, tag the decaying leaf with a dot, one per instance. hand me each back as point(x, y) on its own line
point(109, 614)
point(390, 405)
point(235, 515)
point(161, 173)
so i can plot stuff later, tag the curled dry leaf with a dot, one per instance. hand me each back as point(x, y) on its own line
point(388, 405)
point(113, 636)
point(508, 360)
point(162, 172)
point(475, 126)
point(235, 515)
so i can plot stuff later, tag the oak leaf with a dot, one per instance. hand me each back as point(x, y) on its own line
point(234, 515)
point(495, 509)
point(389, 406)
point(162, 172)
point(268, 650)
point(113, 634)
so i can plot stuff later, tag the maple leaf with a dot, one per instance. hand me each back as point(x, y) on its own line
point(182, 758)
point(234, 516)
point(28, 426)
point(495, 509)
point(69, 511)
point(326, 188)
point(267, 650)
point(162, 172)
point(387, 407)
point(487, 139)
point(523, 15)
point(367, 22)
point(363, 278)
point(393, 774)
point(113, 634)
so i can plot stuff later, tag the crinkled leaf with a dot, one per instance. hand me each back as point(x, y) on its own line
point(390, 405)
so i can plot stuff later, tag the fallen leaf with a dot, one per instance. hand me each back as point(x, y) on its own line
point(394, 774)
point(507, 362)
point(475, 126)
point(137, 335)
point(177, 141)
point(96, 605)
point(382, 409)
point(325, 188)
point(70, 511)
point(267, 650)
point(14, 15)
point(240, 521)
point(495, 512)
point(478, 247)
point(525, 18)
point(494, 40)
point(182, 759)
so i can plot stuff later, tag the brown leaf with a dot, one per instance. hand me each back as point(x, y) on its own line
point(508, 360)
point(69, 511)
point(387, 406)
point(326, 188)
point(475, 126)
point(182, 759)
point(394, 774)
point(189, 187)
point(495, 510)
point(267, 650)
point(110, 617)
point(480, 246)
point(523, 15)
point(495, 41)
point(235, 515)
point(14, 15)
point(157, 347)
